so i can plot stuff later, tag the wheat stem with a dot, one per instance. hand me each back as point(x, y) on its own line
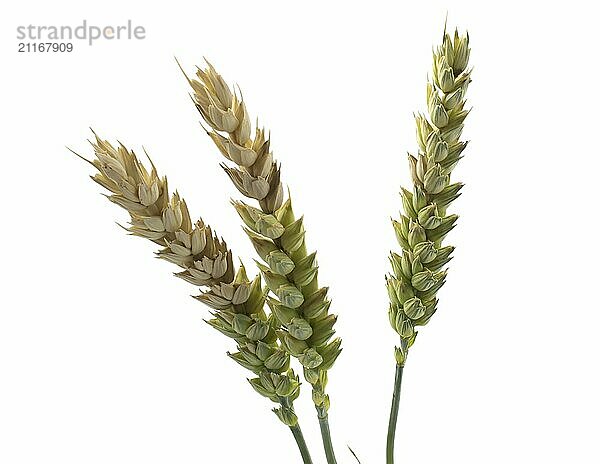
point(391, 434)
point(298, 435)
point(326, 435)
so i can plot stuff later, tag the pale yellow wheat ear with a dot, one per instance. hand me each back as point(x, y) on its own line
point(419, 271)
point(300, 306)
point(237, 302)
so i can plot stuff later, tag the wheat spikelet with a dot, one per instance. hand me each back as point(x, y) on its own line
point(237, 303)
point(290, 272)
point(419, 271)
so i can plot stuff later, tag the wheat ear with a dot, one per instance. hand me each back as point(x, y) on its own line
point(237, 303)
point(418, 273)
point(299, 304)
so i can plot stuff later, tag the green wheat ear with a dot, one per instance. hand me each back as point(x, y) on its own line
point(419, 271)
point(300, 306)
point(237, 302)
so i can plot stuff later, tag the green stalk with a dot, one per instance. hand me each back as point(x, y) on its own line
point(391, 435)
point(326, 435)
point(296, 430)
point(299, 437)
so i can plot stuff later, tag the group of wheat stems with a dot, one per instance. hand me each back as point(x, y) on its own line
point(289, 315)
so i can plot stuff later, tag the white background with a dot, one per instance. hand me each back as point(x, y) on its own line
point(104, 357)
